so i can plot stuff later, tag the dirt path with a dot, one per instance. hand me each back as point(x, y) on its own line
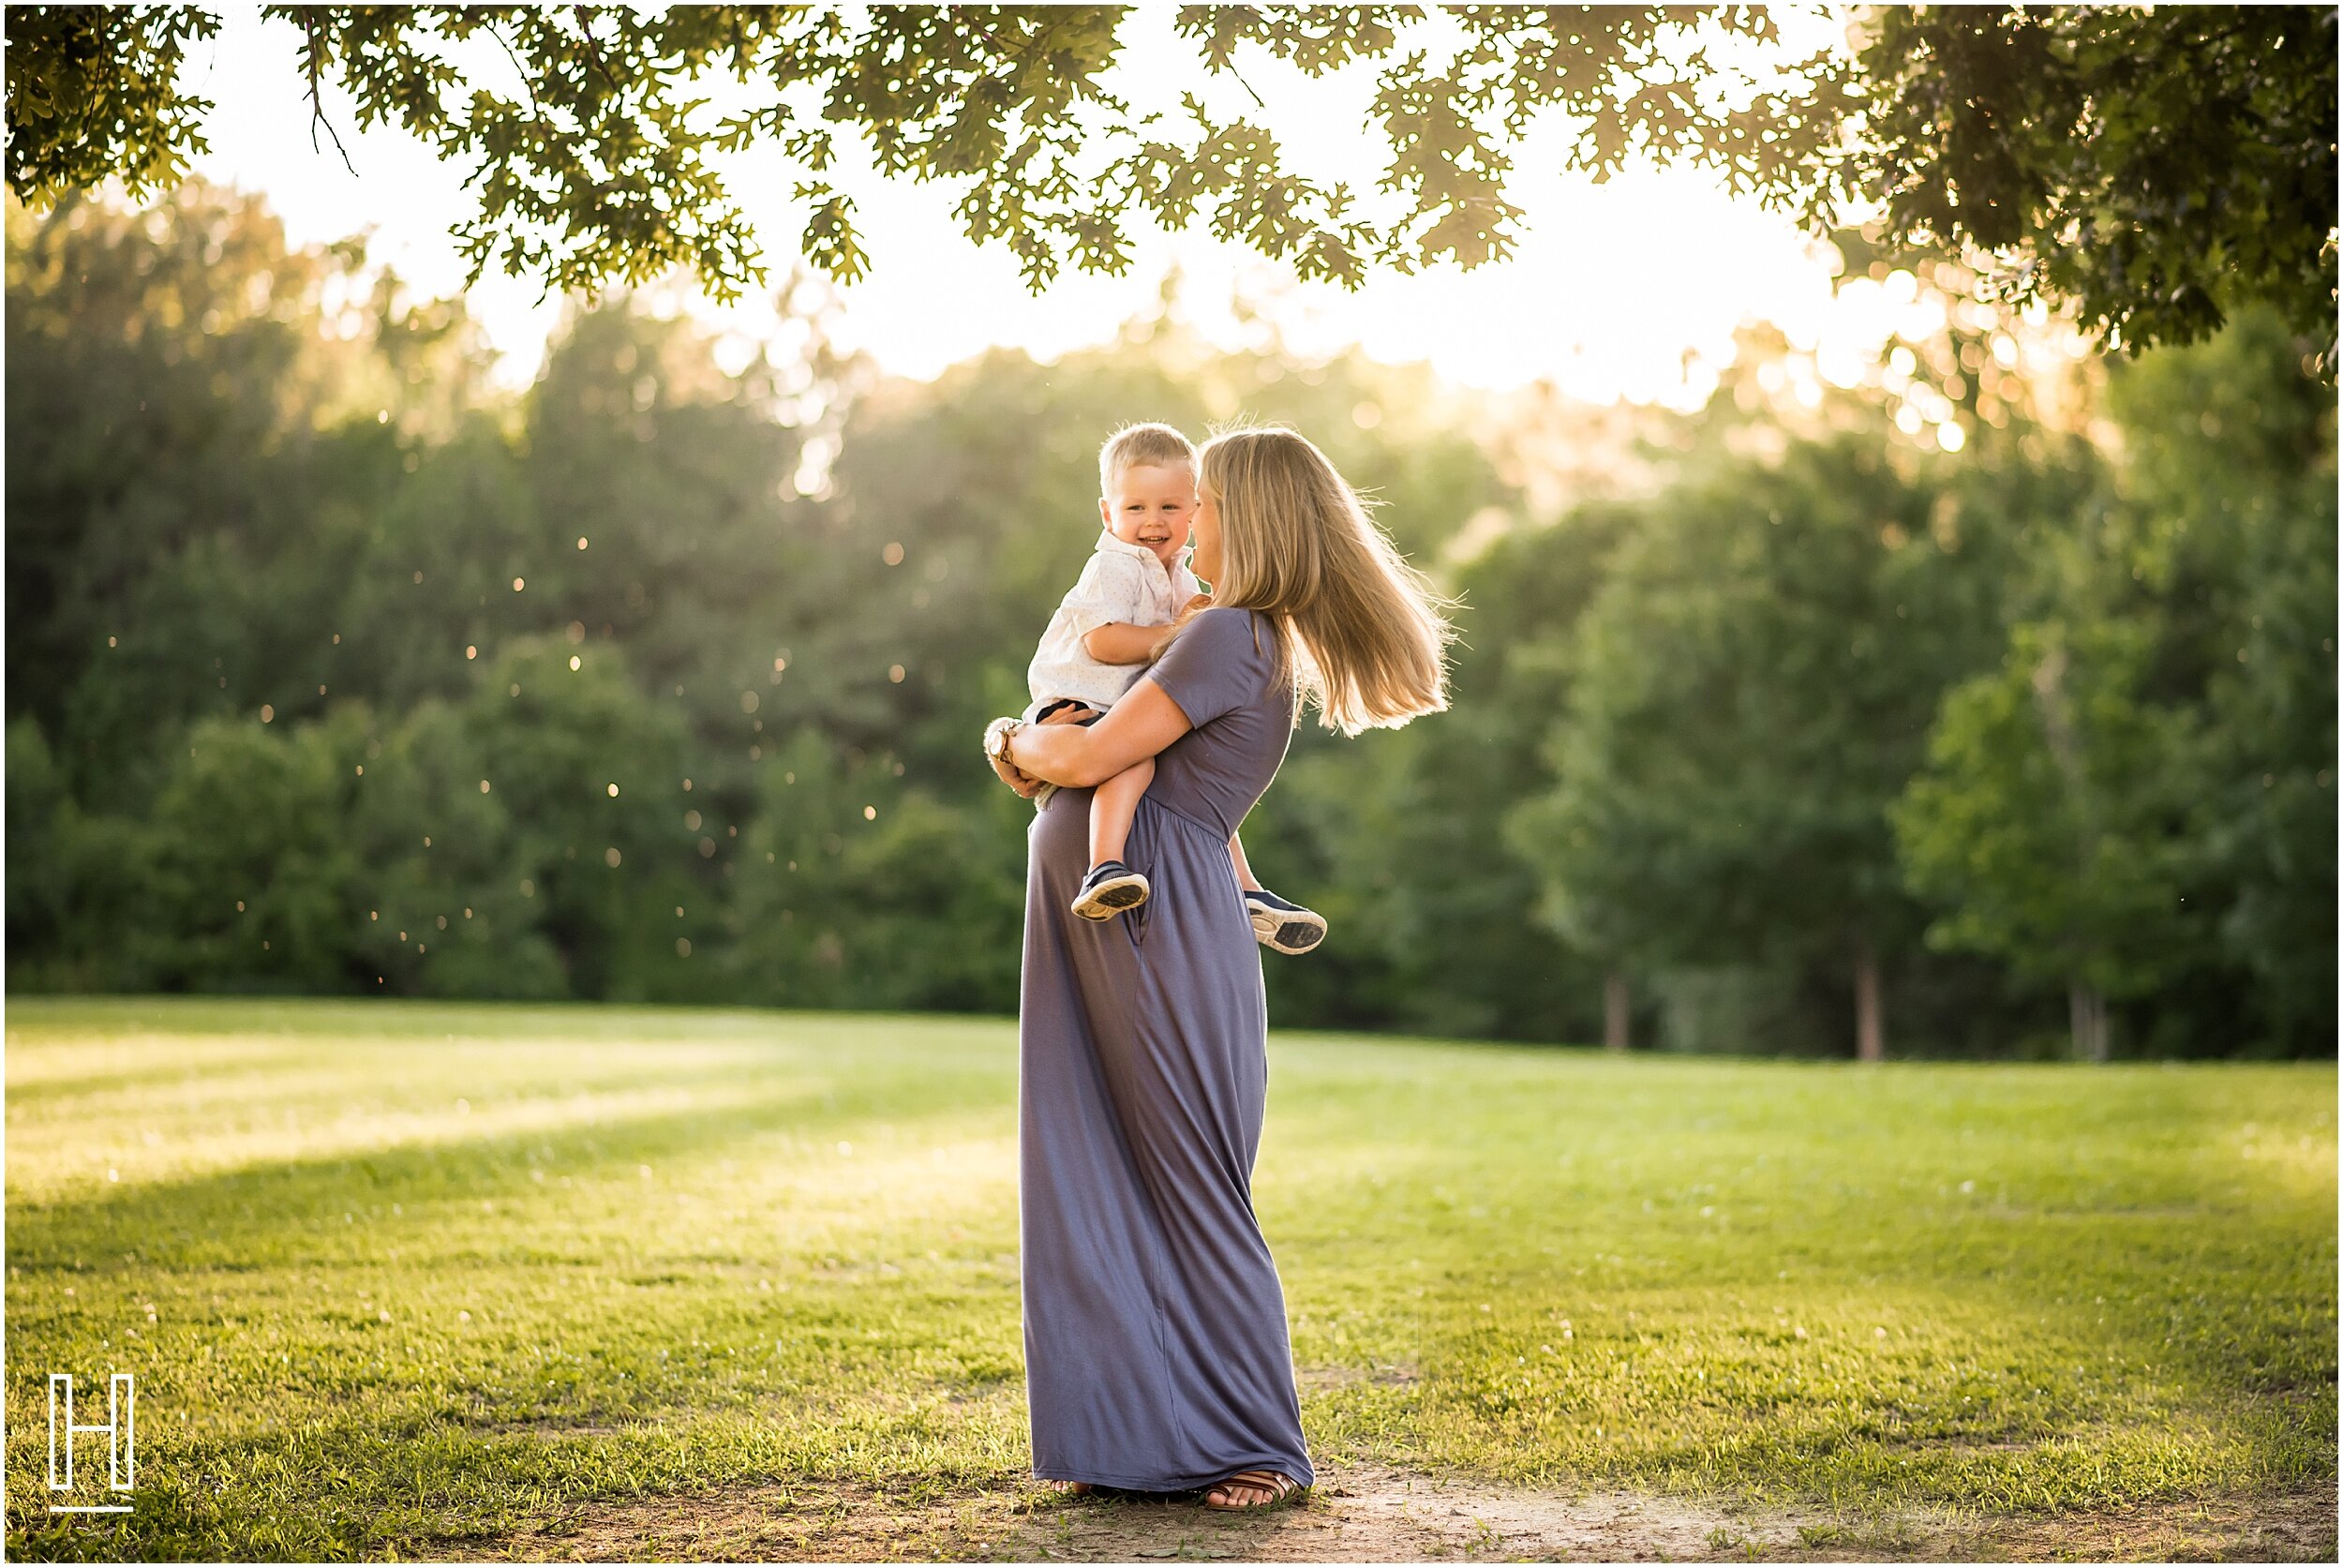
point(1364, 1514)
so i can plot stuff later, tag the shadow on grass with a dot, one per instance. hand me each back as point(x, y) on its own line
point(250, 1217)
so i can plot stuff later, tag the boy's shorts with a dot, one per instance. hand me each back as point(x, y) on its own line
point(1055, 703)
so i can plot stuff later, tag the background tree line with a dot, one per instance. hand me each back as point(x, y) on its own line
point(333, 669)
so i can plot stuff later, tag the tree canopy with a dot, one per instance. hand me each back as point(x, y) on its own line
point(2157, 168)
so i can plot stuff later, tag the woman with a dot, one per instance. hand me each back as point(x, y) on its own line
point(1156, 1357)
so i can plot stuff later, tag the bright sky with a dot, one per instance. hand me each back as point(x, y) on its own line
point(1610, 292)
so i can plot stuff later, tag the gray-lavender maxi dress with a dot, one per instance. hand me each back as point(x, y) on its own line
point(1157, 1355)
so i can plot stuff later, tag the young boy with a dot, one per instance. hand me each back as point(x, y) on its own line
point(1107, 628)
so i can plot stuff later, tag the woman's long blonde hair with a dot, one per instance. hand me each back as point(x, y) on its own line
point(1362, 632)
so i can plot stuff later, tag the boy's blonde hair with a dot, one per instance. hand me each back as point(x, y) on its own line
point(1139, 446)
point(1361, 632)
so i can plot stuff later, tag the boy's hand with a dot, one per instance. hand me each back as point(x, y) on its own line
point(1201, 601)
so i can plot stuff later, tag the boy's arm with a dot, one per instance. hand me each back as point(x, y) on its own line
point(1104, 605)
point(1119, 642)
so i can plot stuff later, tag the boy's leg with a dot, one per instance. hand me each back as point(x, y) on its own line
point(1112, 805)
point(1245, 877)
point(1276, 922)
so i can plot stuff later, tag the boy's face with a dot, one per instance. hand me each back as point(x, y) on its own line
point(1150, 505)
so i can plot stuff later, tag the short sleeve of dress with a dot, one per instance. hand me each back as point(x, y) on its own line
point(1109, 590)
point(1221, 660)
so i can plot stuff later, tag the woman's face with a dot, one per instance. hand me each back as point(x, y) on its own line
point(1205, 524)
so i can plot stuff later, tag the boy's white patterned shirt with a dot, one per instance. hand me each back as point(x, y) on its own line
point(1120, 583)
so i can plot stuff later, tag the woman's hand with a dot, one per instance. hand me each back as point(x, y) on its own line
point(1026, 785)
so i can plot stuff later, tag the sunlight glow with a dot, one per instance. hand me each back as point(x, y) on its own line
point(1630, 289)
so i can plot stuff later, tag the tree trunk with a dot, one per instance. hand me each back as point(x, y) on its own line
point(2087, 1006)
point(1869, 1043)
point(1614, 1011)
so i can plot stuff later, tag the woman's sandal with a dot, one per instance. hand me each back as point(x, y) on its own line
point(1280, 1486)
point(1076, 1489)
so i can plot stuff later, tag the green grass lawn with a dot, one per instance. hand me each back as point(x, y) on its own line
point(389, 1273)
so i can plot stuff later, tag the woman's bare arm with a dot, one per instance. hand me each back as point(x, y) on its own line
point(1079, 755)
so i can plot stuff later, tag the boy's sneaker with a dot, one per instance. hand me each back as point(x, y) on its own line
point(1110, 888)
point(1282, 924)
